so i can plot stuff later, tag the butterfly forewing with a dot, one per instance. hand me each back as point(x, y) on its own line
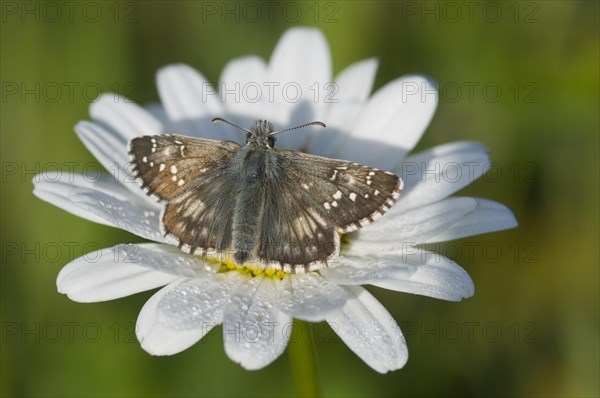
point(347, 195)
point(166, 164)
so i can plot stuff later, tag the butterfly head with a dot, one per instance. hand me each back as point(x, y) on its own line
point(260, 135)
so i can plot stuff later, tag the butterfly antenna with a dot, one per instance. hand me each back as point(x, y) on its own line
point(221, 120)
point(299, 127)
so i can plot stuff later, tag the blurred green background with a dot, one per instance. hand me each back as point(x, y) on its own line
point(532, 328)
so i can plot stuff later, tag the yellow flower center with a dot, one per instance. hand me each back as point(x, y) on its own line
point(225, 263)
point(228, 264)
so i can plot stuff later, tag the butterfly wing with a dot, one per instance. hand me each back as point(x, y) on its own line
point(292, 231)
point(348, 195)
point(315, 199)
point(165, 164)
point(189, 173)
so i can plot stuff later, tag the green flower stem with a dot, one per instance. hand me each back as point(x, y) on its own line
point(304, 361)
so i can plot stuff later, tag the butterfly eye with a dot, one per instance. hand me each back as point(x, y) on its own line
point(271, 141)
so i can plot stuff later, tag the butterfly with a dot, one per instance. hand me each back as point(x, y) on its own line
point(278, 208)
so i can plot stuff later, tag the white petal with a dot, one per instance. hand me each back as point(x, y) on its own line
point(111, 151)
point(158, 111)
point(255, 331)
point(392, 123)
point(439, 172)
point(198, 303)
point(435, 276)
point(489, 216)
point(301, 60)
point(400, 230)
point(367, 270)
point(242, 89)
point(130, 215)
point(309, 297)
point(156, 338)
point(370, 331)
point(353, 86)
point(191, 101)
point(108, 146)
point(55, 187)
point(164, 258)
point(124, 117)
point(106, 275)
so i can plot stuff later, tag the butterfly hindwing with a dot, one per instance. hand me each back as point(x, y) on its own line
point(200, 218)
point(292, 232)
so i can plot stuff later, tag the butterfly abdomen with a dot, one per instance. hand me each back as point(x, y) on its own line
point(249, 205)
point(245, 224)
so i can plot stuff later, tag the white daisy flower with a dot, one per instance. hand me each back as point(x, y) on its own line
point(256, 307)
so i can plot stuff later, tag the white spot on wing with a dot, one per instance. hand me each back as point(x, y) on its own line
point(364, 221)
point(334, 175)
